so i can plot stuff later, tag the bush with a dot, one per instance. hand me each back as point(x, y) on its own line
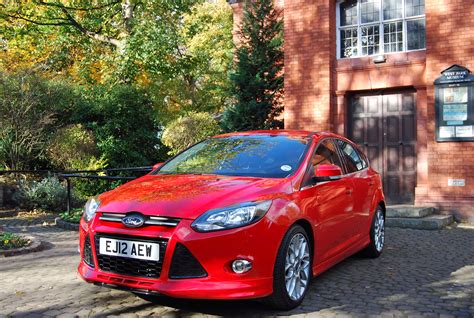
point(188, 130)
point(73, 217)
point(48, 194)
point(28, 113)
point(10, 241)
point(123, 122)
point(72, 147)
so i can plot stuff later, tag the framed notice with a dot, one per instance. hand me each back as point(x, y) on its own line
point(454, 105)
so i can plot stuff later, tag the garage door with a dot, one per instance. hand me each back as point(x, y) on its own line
point(384, 126)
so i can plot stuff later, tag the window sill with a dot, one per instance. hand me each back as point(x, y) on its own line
point(392, 59)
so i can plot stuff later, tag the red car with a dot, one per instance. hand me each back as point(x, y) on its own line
point(242, 215)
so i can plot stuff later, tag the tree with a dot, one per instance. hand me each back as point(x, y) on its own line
point(258, 77)
point(180, 51)
point(95, 31)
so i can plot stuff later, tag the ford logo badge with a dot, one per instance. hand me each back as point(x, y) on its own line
point(133, 220)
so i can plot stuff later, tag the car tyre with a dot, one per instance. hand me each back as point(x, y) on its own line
point(377, 235)
point(293, 270)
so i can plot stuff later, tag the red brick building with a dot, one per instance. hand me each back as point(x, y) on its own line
point(366, 69)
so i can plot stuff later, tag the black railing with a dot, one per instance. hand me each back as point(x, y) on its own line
point(82, 174)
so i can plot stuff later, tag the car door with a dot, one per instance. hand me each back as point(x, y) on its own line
point(329, 204)
point(357, 170)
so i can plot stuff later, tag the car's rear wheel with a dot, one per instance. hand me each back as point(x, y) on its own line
point(293, 272)
point(377, 234)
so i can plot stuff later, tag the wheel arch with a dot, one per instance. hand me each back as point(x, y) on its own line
point(384, 208)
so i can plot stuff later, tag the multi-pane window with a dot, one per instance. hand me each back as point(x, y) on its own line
point(393, 36)
point(368, 27)
point(370, 39)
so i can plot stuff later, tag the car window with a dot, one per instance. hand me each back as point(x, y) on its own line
point(353, 160)
point(268, 156)
point(324, 154)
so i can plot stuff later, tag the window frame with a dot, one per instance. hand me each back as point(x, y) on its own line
point(404, 19)
point(304, 185)
point(343, 158)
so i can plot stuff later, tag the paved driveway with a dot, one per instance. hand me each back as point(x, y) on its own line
point(428, 273)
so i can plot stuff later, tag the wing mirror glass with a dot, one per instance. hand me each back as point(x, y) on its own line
point(327, 173)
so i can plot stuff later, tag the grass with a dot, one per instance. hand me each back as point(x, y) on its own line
point(73, 217)
point(10, 241)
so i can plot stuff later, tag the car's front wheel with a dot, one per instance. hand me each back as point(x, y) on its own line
point(293, 272)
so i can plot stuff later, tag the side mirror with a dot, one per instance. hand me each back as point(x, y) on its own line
point(157, 165)
point(327, 173)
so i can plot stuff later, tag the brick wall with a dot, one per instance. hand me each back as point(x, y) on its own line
point(309, 55)
point(449, 40)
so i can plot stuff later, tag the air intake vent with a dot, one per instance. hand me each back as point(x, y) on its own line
point(185, 265)
point(87, 253)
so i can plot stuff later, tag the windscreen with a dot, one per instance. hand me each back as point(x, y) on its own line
point(268, 156)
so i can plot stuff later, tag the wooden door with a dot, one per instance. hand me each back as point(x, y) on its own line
point(384, 126)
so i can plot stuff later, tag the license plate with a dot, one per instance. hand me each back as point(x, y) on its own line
point(131, 249)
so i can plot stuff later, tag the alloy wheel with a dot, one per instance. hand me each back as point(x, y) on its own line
point(297, 267)
point(379, 231)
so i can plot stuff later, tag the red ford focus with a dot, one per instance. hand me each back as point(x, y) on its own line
point(242, 215)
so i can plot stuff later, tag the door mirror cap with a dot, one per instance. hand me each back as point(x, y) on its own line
point(327, 173)
point(157, 165)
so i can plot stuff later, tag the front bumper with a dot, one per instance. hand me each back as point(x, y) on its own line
point(215, 252)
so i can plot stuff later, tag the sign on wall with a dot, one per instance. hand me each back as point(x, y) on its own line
point(454, 105)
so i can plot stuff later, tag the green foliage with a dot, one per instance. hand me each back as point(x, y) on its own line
point(258, 78)
point(73, 147)
point(188, 130)
point(10, 241)
point(48, 194)
point(123, 122)
point(74, 216)
point(29, 110)
point(180, 50)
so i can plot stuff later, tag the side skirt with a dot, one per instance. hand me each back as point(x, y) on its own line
point(351, 250)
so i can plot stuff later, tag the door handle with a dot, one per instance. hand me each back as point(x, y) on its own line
point(371, 183)
point(349, 191)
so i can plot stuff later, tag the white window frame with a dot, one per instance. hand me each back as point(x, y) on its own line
point(404, 19)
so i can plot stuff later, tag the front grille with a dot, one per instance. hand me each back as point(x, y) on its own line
point(87, 252)
point(148, 220)
point(185, 265)
point(131, 266)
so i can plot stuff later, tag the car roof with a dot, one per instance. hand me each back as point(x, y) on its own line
point(277, 132)
point(281, 132)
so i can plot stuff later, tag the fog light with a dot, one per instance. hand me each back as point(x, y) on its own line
point(240, 266)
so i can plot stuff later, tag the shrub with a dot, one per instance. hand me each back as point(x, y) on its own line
point(123, 122)
point(26, 118)
point(74, 216)
point(48, 194)
point(188, 130)
point(72, 147)
point(10, 241)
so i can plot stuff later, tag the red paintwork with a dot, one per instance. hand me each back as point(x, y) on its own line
point(337, 212)
point(328, 171)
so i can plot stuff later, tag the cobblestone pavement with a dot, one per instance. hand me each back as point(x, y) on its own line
point(421, 273)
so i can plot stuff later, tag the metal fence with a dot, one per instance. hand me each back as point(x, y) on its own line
point(67, 175)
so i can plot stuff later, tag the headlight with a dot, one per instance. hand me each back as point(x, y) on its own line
point(231, 217)
point(91, 207)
